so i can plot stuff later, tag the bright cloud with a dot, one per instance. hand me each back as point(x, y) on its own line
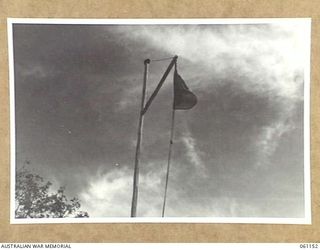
point(268, 140)
point(193, 154)
point(109, 194)
point(270, 56)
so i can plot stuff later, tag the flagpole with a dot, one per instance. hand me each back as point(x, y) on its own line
point(137, 156)
point(169, 158)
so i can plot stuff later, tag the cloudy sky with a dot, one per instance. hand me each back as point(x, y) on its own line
point(238, 152)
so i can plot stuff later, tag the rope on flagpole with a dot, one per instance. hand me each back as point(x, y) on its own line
point(169, 162)
point(169, 155)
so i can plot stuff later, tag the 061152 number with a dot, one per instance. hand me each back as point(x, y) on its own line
point(309, 245)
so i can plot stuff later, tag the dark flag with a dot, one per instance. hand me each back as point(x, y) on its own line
point(183, 97)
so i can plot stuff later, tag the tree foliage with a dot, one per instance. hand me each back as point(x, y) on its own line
point(34, 199)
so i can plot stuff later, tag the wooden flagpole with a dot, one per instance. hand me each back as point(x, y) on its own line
point(137, 157)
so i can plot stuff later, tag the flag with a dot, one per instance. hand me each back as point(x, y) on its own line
point(183, 97)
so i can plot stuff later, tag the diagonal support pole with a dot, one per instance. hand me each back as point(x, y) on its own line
point(154, 94)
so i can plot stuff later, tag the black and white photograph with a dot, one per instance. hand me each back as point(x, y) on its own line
point(160, 120)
